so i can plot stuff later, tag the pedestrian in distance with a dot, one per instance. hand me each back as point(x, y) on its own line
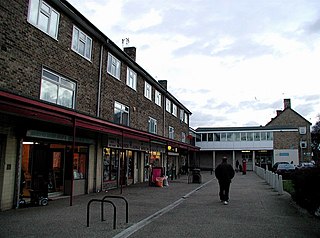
point(224, 173)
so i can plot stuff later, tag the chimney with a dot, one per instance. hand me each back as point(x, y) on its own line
point(278, 112)
point(287, 103)
point(163, 83)
point(131, 51)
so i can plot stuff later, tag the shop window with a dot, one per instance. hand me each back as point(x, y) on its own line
point(110, 164)
point(79, 166)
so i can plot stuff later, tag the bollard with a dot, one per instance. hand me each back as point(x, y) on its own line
point(280, 185)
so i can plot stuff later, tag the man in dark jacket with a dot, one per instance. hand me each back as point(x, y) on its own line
point(224, 173)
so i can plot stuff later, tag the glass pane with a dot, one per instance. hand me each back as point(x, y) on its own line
point(210, 136)
point(257, 136)
point(263, 136)
point(125, 119)
point(43, 22)
point(223, 137)
point(54, 24)
point(81, 48)
point(45, 8)
point(49, 91)
point(237, 136)
point(75, 39)
point(117, 116)
point(50, 76)
point(216, 136)
point(68, 84)
point(65, 97)
point(229, 136)
point(33, 11)
point(243, 136)
point(88, 48)
point(250, 136)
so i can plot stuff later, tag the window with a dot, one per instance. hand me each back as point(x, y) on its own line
point(302, 130)
point(186, 118)
point(223, 137)
point(181, 115)
point(204, 137)
point(237, 136)
point(229, 136)
point(263, 136)
point(44, 17)
point(210, 136)
point(257, 136)
point(152, 125)
point(250, 136)
point(174, 109)
point(157, 98)
point(131, 79)
point(171, 132)
point(269, 136)
point(121, 114)
point(168, 105)
point(113, 66)
point(216, 136)
point(243, 136)
point(147, 90)
point(81, 43)
point(183, 137)
point(57, 89)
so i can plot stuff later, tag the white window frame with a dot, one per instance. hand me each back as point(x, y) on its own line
point(63, 86)
point(38, 10)
point(131, 79)
point(113, 66)
point(79, 38)
point(147, 90)
point(168, 105)
point(181, 116)
point(123, 110)
point(152, 125)
point(302, 130)
point(171, 132)
point(186, 118)
point(157, 98)
point(174, 110)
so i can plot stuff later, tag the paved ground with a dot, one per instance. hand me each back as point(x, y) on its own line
point(180, 210)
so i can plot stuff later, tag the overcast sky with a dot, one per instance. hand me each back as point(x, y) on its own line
point(230, 62)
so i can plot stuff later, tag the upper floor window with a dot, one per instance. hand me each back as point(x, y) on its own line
point(152, 125)
point(186, 118)
point(121, 114)
point(174, 109)
point(131, 79)
point(81, 43)
point(171, 132)
point(168, 105)
point(157, 98)
point(57, 89)
point(113, 66)
point(302, 130)
point(147, 90)
point(44, 17)
point(181, 115)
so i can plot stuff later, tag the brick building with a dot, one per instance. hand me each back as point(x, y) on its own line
point(286, 137)
point(77, 113)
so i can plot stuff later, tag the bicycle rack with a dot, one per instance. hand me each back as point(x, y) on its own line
point(120, 197)
point(102, 219)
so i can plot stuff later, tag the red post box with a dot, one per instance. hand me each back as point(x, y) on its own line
point(244, 166)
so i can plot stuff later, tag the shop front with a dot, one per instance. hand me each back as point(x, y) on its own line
point(50, 167)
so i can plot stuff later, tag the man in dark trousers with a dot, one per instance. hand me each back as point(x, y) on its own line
point(224, 173)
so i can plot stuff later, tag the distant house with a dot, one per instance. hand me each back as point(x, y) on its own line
point(286, 137)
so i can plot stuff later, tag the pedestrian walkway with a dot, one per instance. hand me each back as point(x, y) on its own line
point(179, 210)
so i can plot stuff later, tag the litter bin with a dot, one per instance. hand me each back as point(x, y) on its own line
point(195, 176)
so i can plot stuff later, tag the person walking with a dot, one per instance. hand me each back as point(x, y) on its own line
point(224, 173)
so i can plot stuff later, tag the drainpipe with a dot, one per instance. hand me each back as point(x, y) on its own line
point(18, 173)
point(99, 81)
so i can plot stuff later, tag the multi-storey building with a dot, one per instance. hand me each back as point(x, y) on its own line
point(77, 113)
point(286, 137)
